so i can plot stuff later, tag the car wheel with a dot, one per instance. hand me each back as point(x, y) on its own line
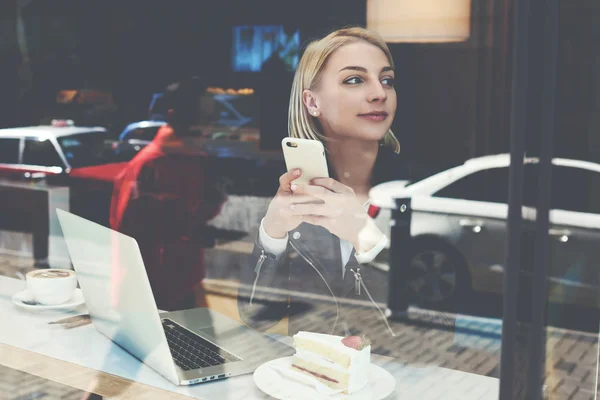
point(437, 275)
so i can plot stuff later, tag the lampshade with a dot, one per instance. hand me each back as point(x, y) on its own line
point(420, 20)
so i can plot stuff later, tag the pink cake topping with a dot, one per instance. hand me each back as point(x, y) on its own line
point(356, 342)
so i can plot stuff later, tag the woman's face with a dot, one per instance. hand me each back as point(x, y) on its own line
point(355, 98)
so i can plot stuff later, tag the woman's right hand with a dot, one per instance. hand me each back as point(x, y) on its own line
point(279, 219)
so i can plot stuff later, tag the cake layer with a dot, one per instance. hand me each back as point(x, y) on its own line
point(329, 360)
point(328, 376)
point(319, 359)
point(324, 349)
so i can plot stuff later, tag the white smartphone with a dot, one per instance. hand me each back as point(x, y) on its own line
point(306, 154)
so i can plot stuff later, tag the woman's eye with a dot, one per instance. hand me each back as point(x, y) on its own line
point(353, 81)
point(388, 81)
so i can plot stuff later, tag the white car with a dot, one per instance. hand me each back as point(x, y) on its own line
point(459, 224)
point(57, 149)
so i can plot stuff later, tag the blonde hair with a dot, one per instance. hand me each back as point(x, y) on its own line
point(308, 74)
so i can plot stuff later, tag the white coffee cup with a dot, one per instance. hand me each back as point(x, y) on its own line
point(51, 287)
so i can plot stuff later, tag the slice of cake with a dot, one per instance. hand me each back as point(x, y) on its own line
point(338, 362)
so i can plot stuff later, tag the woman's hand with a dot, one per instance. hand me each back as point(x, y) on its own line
point(340, 212)
point(280, 219)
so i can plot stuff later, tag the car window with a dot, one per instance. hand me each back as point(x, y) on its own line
point(42, 153)
point(245, 105)
point(86, 149)
point(575, 189)
point(9, 151)
point(142, 133)
point(222, 115)
point(490, 185)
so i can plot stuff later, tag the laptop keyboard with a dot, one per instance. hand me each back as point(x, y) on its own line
point(191, 351)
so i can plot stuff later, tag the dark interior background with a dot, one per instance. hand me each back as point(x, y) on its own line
point(452, 98)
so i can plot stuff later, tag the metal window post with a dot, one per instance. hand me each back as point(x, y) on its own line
point(540, 268)
point(518, 128)
point(400, 245)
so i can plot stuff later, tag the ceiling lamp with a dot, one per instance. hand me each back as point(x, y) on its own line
point(410, 21)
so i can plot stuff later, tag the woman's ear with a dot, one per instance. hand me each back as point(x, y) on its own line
point(310, 102)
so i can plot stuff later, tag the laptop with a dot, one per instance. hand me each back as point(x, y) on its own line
point(186, 347)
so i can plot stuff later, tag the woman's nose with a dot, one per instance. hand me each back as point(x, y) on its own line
point(377, 93)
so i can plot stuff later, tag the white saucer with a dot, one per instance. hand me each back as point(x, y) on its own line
point(74, 302)
point(381, 384)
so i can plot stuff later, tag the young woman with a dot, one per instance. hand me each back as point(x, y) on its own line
point(343, 94)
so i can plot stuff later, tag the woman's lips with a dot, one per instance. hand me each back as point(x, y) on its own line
point(377, 117)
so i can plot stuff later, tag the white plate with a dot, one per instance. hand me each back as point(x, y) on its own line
point(381, 384)
point(74, 302)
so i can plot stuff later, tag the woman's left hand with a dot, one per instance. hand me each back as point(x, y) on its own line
point(341, 213)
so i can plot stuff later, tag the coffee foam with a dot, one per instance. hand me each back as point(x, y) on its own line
point(50, 274)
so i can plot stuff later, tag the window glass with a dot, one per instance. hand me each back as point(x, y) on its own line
point(9, 151)
point(142, 133)
point(576, 189)
point(42, 153)
point(490, 185)
point(86, 149)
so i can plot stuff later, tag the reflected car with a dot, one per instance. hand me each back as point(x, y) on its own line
point(228, 115)
point(459, 227)
point(134, 137)
point(67, 155)
point(57, 149)
point(226, 122)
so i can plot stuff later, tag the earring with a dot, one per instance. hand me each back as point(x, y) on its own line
point(315, 113)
